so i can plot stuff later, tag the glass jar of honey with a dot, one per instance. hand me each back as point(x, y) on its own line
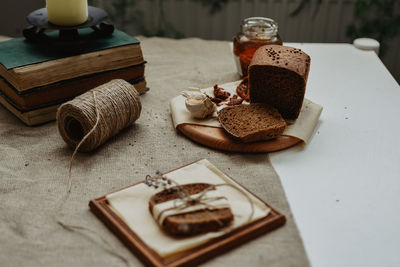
point(256, 32)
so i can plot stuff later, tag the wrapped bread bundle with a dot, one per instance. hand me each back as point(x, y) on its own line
point(191, 209)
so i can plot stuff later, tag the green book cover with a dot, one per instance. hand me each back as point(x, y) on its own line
point(19, 52)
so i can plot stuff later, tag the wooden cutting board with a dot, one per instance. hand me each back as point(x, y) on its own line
point(217, 138)
point(190, 257)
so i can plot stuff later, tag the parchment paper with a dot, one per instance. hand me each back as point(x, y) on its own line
point(301, 128)
point(135, 200)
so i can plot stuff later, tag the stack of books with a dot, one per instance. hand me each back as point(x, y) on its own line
point(35, 80)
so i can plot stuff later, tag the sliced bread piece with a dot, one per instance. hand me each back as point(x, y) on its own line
point(250, 123)
point(191, 223)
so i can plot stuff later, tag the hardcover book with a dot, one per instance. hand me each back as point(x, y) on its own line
point(47, 113)
point(46, 95)
point(25, 65)
point(35, 80)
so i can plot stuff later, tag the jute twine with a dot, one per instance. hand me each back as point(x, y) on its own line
point(103, 112)
point(87, 121)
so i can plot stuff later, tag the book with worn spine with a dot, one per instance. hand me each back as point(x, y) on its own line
point(47, 112)
point(35, 80)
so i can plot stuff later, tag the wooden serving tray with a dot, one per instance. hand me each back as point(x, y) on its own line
point(190, 257)
point(217, 138)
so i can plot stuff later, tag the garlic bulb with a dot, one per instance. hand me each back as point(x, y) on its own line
point(198, 104)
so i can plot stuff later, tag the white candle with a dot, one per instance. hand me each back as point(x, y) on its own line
point(67, 12)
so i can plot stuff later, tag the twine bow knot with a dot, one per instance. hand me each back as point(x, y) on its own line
point(188, 200)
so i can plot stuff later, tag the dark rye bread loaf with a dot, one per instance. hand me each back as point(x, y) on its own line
point(253, 122)
point(195, 222)
point(278, 76)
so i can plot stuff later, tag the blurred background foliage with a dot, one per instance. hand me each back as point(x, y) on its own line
point(125, 13)
point(301, 20)
point(378, 19)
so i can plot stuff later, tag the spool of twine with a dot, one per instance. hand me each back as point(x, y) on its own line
point(89, 120)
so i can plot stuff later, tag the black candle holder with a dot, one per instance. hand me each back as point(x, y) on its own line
point(68, 39)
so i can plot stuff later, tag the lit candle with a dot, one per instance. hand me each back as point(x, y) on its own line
point(67, 12)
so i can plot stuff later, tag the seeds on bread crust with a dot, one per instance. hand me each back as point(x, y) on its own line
point(278, 77)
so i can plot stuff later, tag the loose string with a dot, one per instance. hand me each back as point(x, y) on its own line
point(81, 142)
point(75, 228)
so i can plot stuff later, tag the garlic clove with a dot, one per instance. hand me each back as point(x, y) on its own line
point(198, 104)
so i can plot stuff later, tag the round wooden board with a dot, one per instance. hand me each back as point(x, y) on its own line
point(217, 138)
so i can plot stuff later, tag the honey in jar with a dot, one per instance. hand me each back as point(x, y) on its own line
point(256, 32)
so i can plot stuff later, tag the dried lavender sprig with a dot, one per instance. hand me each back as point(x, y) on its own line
point(158, 180)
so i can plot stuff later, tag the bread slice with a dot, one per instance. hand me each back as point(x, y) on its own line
point(277, 77)
point(250, 123)
point(195, 222)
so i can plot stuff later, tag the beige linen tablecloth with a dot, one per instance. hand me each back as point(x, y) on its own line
point(34, 170)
